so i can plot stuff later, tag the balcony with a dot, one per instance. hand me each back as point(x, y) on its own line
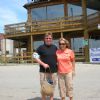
point(63, 24)
point(38, 27)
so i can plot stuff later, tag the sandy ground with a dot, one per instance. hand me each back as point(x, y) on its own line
point(21, 82)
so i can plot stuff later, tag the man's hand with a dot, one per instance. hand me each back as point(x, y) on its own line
point(37, 58)
point(46, 66)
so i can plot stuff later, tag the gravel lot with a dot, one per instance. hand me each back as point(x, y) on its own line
point(21, 82)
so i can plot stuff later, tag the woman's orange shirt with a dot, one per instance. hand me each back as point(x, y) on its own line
point(65, 59)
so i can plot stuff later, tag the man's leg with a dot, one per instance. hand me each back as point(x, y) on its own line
point(54, 78)
point(51, 97)
point(63, 98)
point(41, 80)
point(43, 97)
point(71, 98)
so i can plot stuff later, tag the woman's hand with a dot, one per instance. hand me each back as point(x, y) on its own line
point(73, 74)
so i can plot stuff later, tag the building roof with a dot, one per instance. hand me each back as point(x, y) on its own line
point(92, 4)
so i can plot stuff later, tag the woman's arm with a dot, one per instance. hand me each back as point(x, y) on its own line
point(73, 70)
point(73, 64)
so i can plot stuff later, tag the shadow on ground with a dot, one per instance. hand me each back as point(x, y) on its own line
point(38, 98)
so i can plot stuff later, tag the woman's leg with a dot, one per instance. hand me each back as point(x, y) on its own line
point(69, 86)
point(61, 84)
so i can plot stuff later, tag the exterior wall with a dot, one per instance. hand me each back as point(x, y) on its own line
point(9, 46)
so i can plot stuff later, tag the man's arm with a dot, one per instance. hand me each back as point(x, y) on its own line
point(38, 60)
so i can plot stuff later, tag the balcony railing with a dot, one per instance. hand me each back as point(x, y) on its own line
point(58, 24)
point(26, 57)
point(65, 23)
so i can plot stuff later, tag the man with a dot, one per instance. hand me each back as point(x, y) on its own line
point(46, 56)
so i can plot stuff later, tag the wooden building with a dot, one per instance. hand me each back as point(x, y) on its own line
point(53, 15)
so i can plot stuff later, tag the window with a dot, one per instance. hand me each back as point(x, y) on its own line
point(49, 12)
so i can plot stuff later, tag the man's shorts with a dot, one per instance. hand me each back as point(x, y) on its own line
point(65, 84)
point(53, 76)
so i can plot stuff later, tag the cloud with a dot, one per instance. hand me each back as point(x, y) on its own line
point(12, 12)
point(7, 17)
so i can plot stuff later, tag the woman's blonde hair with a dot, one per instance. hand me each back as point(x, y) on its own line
point(66, 42)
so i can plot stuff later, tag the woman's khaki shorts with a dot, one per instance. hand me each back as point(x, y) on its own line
point(65, 84)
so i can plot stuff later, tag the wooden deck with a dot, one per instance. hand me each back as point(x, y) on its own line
point(38, 27)
point(64, 24)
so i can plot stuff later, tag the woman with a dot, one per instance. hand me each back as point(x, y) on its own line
point(66, 69)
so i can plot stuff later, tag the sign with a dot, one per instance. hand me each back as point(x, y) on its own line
point(85, 42)
point(95, 55)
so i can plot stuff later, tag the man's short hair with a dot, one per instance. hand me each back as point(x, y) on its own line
point(48, 33)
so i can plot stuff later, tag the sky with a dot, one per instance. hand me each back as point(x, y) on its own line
point(12, 11)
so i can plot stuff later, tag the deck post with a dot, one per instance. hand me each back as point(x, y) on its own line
point(86, 35)
point(31, 48)
point(29, 19)
point(19, 52)
point(5, 56)
point(65, 8)
point(62, 35)
point(14, 50)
